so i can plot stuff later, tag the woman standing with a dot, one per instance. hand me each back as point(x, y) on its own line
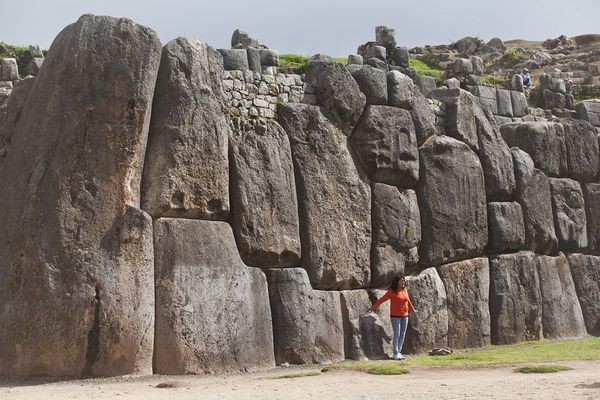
point(400, 306)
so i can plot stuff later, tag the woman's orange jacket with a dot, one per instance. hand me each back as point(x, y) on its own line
point(400, 304)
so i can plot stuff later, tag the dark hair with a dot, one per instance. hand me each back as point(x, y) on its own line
point(396, 281)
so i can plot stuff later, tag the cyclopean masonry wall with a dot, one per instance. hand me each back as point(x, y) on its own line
point(165, 232)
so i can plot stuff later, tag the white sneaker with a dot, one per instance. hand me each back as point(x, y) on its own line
point(400, 357)
point(396, 357)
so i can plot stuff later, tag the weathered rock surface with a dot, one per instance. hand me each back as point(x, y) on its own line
point(385, 142)
point(396, 233)
point(452, 203)
point(334, 200)
point(186, 173)
point(505, 107)
point(534, 195)
point(307, 323)
point(264, 207)
point(12, 114)
point(385, 36)
point(400, 89)
point(506, 227)
point(234, 59)
point(561, 312)
point(337, 91)
point(212, 312)
point(496, 159)
point(76, 255)
point(591, 195)
point(467, 289)
point(543, 141)
point(373, 83)
point(515, 298)
point(581, 144)
point(428, 327)
point(423, 116)
point(569, 214)
point(586, 277)
point(460, 115)
point(366, 336)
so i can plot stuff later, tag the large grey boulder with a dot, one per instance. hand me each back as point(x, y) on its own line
point(488, 97)
point(240, 39)
point(307, 324)
point(534, 195)
point(589, 110)
point(400, 89)
point(15, 107)
point(586, 277)
point(186, 173)
point(467, 289)
point(338, 92)
point(515, 298)
point(426, 84)
point(518, 99)
point(385, 36)
point(269, 58)
point(506, 227)
point(9, 69)
point(234, 59)
point(76, 264)
point(378, 52)
point(496, 159)
point(591, 196)
point(400, 56)
point(385, 142)
point(428, 327)
point(423, 116)
point(33, 66)
point(543, 141)
point(396, 233)
point(366, 336)
point(372, 83)
point(212, 312)
point(334, 200)
point(569, 214)
point(264, 207)
point(581, 145)
point(505, 107)
point(561, 312)
point(460, 115)
point(451, 193)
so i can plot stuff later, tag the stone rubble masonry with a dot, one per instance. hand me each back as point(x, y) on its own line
point(212, 311)
point(308, 326)
point(467, 286)
point(186, 173)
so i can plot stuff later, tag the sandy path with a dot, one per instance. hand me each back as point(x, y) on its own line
point(422, 383)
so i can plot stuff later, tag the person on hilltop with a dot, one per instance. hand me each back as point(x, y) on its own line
point(400, 307)
point(526, 78)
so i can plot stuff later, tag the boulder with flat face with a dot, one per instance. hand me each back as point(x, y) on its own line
point(591, 196)
point(586, 277)
point(396, 233)
point(428, 327)
point(569, 214)
point(366, 336)
point(561, 312)
point(338, 92)
point(76, 254)
point(212, 311)
point(264, 207)
point(535, 198)
point(467, 290)
point(515, 298)
point(506, 227)
point(307, 323)
point(186, 173)
point(543, 141)
point(372, 82)
point(334, 200)
point(451, 193)
point(384, 140)
point(460, 115)
point(581, 145)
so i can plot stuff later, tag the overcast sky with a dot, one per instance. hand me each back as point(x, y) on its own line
point(334, 27)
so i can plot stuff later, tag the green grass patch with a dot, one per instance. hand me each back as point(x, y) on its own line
point(296, 375)
point(341, 60)
point(423, 68)
point(292, 63)
point(21, 53)
point(492, 80)
point(523, 353)
point(391, 367)
point(542, 369)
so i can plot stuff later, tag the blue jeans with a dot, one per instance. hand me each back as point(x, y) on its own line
point(399, 325)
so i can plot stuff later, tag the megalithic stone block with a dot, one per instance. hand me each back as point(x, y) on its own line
point(585, 270)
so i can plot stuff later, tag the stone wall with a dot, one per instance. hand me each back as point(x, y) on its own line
point(201, 235)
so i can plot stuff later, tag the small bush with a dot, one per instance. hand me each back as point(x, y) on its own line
point(541, 369)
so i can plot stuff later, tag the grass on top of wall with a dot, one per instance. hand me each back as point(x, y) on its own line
point(296, 63)
point(522, 353)
point(423, 68)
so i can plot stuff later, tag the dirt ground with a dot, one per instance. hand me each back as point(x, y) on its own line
point(583, 382)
